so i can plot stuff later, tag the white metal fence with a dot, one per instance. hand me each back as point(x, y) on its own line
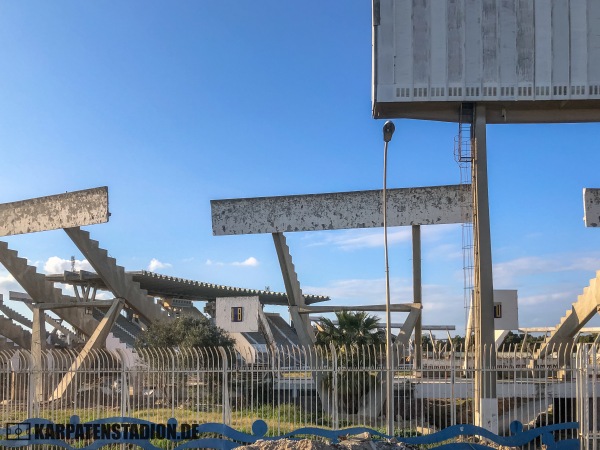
point(293, 387)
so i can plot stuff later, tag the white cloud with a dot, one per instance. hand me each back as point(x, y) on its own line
point(248, 262)
point(155, 264)
point(210, 262)
point(370, 238)
point(35, 264)
point(355, 239)
point(445, 251)
point(564, 298)
point(506, 272)
point(8, 283)
point(55, 265)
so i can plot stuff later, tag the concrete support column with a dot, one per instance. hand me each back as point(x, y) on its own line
point(485, 401)
point(38, 345)
point(417, 292)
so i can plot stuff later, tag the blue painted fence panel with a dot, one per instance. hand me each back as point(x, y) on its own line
point(42, 431)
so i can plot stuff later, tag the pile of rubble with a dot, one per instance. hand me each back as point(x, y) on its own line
point(355, 443)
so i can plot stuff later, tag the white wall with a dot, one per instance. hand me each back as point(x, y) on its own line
point(507, 298)
point(250, 307)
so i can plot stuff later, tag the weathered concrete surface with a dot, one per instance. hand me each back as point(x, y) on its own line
point(397, 307)
point(73, 209)
point(528, 61)
point(43, 291)
point(14, 332)
point(97, 340)
point(591, 207)
point(341, 210)
point(119, 282)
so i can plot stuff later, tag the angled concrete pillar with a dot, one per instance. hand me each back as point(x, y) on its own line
point(296, 301)
point(293, 290)
point(115, 278)
point(97, 340)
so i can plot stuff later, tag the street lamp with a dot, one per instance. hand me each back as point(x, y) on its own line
point(388, 131)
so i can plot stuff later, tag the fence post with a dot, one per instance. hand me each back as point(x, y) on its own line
point(124, 383)
point(594, 409)
point(276, 371)
point(334, 388)
point(31, 401)
point(452, 384)
point(225, 396)
point(582, 392)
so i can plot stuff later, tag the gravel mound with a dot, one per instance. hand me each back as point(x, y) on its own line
point(308, 444)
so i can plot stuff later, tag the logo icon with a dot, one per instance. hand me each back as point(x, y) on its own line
point(18, 431)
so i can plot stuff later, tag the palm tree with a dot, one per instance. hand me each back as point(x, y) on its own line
point(358, 341)
point(352, 328)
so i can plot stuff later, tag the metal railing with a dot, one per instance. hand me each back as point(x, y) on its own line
point(199, 385)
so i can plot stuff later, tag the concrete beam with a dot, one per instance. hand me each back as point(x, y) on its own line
point(438, 327)
point(591, 207)
point(341, 210)
point(550, 329)
point(26, 299)
point(424, 328)
point(400, 307)
point(72, 209)
point(61, 305)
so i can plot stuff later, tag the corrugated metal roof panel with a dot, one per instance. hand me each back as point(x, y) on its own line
point(159, 285)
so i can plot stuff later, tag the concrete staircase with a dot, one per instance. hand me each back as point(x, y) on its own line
point(190, 311)
point(586, 306)
point(6, 345)
point(123, 330)
point(14, 315)
point(119, 282)
point(283, 333)
point(15, 333)
point(41, 290)
point(20, 318)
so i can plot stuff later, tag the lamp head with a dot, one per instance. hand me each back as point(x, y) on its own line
point(388, 131)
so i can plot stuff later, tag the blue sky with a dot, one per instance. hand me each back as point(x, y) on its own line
point(172, 104)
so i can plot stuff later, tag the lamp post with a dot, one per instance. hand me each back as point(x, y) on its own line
point(388, 131)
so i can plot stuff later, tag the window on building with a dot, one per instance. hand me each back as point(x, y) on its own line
point(237, 314)
point(497, 310)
